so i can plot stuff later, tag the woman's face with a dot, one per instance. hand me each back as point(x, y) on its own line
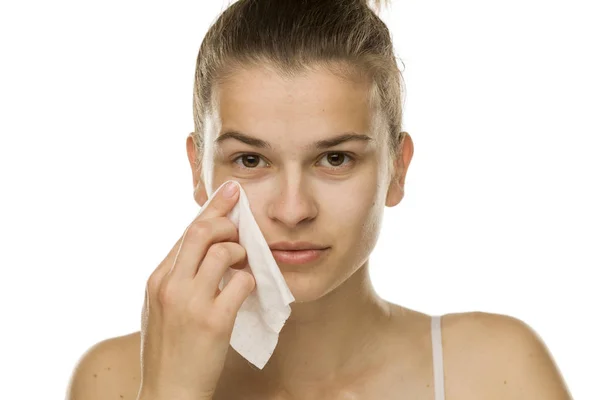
point(298, 191)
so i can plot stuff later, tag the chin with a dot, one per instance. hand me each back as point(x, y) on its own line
point(308, 287)
point(305, 287)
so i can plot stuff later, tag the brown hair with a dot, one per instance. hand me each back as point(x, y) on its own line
point(294, 36)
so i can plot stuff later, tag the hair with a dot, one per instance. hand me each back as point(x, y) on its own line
point(291, 37)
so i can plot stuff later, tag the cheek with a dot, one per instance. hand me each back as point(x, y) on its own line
point(357, 217)
point(357, 235)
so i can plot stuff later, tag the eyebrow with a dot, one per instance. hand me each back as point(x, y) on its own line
point(318, 145)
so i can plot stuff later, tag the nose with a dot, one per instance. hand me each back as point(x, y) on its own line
point(292, 203)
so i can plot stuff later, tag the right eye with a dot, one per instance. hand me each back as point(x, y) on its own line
point(251, 159)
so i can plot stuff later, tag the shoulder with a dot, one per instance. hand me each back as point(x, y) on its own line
point(109, 369)
point(496, 356)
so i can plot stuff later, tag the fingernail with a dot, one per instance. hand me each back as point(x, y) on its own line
point(229, 189)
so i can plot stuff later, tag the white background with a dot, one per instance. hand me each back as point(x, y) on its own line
point(501, 207)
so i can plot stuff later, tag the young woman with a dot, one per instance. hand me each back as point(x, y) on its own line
point(299, 101)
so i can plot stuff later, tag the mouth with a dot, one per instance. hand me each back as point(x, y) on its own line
point(298, 256)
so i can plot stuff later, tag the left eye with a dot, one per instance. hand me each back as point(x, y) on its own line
point(334, 158)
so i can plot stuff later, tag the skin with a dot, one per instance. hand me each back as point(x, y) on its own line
point(342, 341)
point(297, 193)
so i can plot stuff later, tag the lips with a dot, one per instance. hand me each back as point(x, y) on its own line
point(298, 256)
point(296, 246)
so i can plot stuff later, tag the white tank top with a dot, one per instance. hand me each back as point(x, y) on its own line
point(438, 358)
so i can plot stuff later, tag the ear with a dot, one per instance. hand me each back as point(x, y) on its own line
point(396, 188)
point(200, 195)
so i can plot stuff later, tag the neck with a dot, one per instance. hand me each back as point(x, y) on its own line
point(325, 341)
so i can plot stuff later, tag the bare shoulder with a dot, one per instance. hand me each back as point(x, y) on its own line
point(110, 369)
point(497, 356)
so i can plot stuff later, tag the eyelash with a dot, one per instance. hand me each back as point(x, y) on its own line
point(347, 155)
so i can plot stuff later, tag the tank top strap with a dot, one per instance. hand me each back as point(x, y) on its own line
point(438, 358)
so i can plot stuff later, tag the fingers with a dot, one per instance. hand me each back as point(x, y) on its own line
point(222, 203)
point(219, 206)
point(203, 232)
point(197, 239)
point(219, 258)
point(229, 301)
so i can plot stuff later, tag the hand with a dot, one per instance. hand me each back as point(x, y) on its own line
point(186, 320)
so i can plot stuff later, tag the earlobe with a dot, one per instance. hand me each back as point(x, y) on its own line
point(196, 165)
point(395, 193)
point(200, 194)
point(396, 187)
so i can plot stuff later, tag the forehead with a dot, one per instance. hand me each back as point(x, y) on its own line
point(259, 100)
